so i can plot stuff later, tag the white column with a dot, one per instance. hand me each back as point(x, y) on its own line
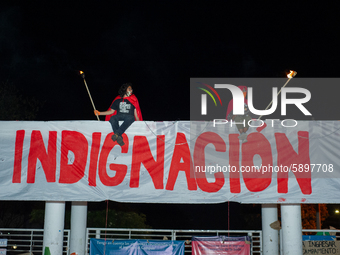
point(78, 228)
point(54, 228)
point(291, 229)
point(270, 236)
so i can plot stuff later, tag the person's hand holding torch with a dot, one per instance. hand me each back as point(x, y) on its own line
point(82, 74)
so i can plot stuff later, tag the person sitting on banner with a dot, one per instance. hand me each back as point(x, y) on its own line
point(124, 107)
point(240, 120)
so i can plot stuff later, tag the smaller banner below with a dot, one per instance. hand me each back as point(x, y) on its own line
point(221, 245)
point(3, 242)
point(136, 247)
point(321, 247)
point(319, 237)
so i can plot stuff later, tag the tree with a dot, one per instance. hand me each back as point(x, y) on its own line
point(11, 215)
point(16, 214)
point(116, 219)
point(308, 215)
point(14, 106)
point(120, 217)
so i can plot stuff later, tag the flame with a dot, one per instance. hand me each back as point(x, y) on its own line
point(81, 72)
point(291, 74)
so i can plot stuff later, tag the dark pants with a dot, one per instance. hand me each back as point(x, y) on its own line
point(127, 121)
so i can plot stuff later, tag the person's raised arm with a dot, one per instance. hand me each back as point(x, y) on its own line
point(109, 112)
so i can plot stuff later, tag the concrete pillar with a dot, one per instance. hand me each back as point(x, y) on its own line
point(98, 234)
point(270, 236)
point(78, 228)
point(54, 228)
point(291, 229)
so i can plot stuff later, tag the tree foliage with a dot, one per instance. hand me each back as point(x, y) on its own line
point(97, 218)
point(15, 106)
point(308, 215)
point(116, 219)
point(15, 214)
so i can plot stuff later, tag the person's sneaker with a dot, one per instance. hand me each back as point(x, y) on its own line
point(120, 140)
point(114, 137)
point(242, 136)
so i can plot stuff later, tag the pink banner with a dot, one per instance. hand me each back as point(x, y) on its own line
point(220, 245)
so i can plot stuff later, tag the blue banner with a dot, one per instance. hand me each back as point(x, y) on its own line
point(136, 247)
point(318, 238)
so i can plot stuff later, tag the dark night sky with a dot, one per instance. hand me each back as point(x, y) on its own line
point(158, 46)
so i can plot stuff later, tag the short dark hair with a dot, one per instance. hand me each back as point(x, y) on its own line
point(123, 88)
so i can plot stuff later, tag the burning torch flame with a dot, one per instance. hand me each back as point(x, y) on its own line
point(82, 75)
point(291, 74)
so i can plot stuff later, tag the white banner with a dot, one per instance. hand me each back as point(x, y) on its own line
point(162, 163)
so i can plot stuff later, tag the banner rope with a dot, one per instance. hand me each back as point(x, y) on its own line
point(228, 219)
point(107, 212)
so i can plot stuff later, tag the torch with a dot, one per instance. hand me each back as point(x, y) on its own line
point(88, 91)
point(290, 76)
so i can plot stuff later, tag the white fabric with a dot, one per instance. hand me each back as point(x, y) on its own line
point(74, 139)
